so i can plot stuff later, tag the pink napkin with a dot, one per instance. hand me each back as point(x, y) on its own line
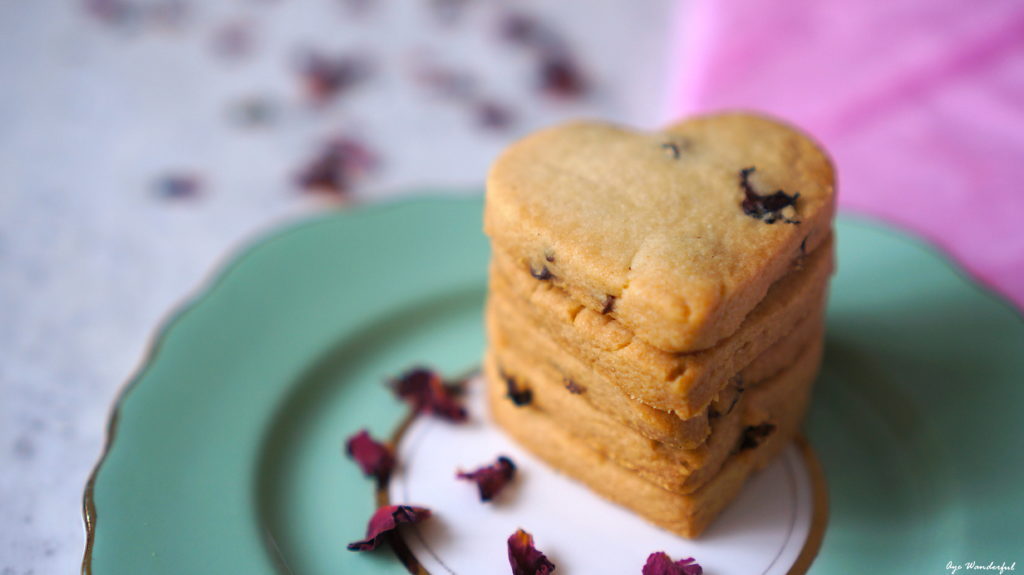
point(921, 103)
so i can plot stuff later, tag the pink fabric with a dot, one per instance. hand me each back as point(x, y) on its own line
point(921, 103)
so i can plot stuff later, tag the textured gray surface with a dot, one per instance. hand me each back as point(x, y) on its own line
point(93, 112)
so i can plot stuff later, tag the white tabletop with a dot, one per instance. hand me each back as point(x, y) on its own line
point(95, 110)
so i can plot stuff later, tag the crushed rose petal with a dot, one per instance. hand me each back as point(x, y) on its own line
point(384, 521)
point(493, 115)
point(375, 458)
point(491, 479)
point(234, 40)
point(326, 77)
point(426, 392)
point(560, 76)
point(525, 558)
point(179, 186)
point(337, 167)
point(661, 564)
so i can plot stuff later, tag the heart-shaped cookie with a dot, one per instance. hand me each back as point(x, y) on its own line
point(676, 234)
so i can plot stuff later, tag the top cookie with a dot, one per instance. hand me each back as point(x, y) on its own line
point(677, 234)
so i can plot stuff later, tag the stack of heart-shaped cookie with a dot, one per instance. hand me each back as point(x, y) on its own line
point(655, 314)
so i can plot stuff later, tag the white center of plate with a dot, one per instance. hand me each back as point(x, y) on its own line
point(762, 532)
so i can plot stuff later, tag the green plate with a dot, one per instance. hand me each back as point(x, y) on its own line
point(225, 450)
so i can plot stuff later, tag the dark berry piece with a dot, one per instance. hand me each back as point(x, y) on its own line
point(520, 395)
point(573, 387)
point(766, 208)
point(609, 304)
point(754, 435)
point(543, 274)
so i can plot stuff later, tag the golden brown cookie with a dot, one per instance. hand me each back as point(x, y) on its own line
point(683, 383)
point(684, 514)
point(516, 331)
point(677, 234)
point(775, 403)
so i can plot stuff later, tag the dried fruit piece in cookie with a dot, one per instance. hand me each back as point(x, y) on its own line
point(667, 236)
point(768, 208)
point(519, 394)
point(755, 434)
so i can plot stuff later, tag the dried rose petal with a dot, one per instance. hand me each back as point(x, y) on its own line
point(375, 458)
point(525, 558)
point(519, 28)
point(661, 564)
point(444, 81)
point(449, 11)
point(491, 479)
point(253, 111)
point(168, 13)
point(234, 40)
point(338, 166)
point(114, 12)
point(493, 115)
point(426, 392)
point(766, 208)
point(529, 32)
point(326, 77)
point(560, 76)
point(179, 186)
point(384, 521)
